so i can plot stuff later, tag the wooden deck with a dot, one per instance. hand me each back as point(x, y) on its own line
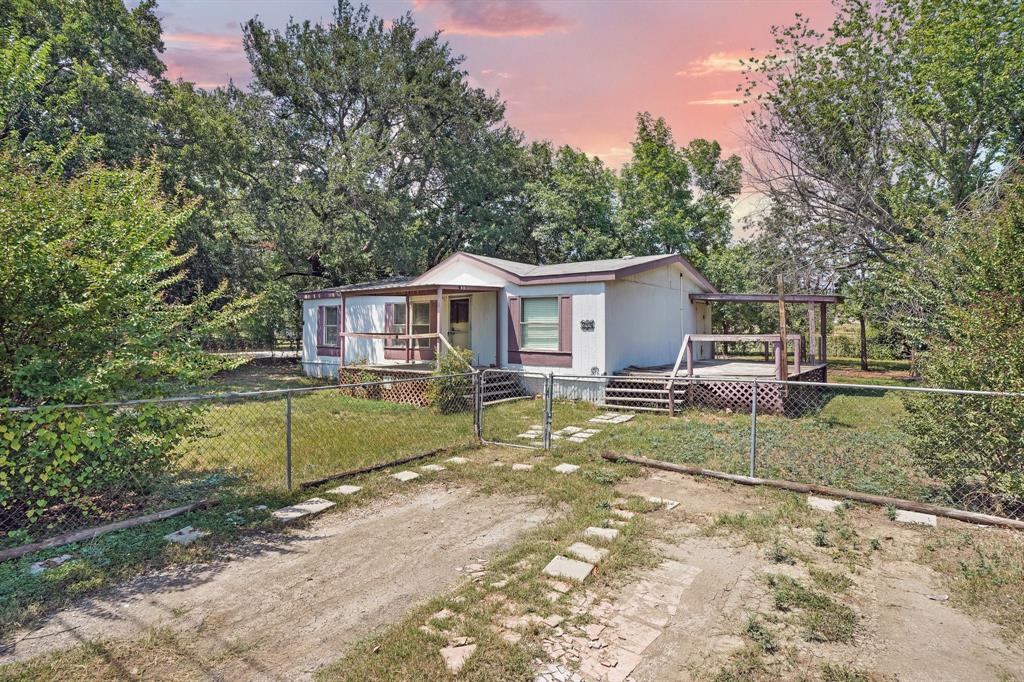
point(720, 369)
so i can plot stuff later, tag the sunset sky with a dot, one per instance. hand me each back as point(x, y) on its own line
point(572, 72)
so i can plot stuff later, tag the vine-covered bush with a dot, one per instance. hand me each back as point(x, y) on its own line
point(452, 389)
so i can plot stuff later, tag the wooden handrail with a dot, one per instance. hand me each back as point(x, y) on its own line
point(451, 348)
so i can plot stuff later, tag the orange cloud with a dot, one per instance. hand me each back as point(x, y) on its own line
point(716, 62)
point(496, 18)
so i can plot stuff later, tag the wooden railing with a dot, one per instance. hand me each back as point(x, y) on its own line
point(408, 338)
point(686, 350)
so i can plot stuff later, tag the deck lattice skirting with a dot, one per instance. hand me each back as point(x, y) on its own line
point(651, 394)
point(403, 393)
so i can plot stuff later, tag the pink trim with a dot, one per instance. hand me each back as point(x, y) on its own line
point(328, 351)
point(320, 325)
point(540, 358)
point(565, 324)
point(341, 332)
point(514, 333)
point(401, 354)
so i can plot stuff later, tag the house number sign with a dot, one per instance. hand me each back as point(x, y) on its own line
point(587, 325)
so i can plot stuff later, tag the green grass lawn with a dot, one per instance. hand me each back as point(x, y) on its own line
point(854, 440)
point(331, 432)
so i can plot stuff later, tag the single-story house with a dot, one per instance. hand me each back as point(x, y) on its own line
point(579, 319)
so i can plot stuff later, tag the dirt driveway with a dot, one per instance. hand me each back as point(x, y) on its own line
point(300, 599)
point(906, 630)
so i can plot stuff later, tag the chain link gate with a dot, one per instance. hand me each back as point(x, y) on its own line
point(515, 408)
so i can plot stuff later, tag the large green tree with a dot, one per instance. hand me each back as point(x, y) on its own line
point(676, 199)
point(100, 60)
point(572, 198)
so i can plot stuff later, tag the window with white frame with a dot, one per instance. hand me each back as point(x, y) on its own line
point(538, 323)
point(330, 337)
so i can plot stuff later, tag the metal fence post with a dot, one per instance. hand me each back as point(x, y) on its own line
point(288, 439)
point(549, 393)
point(478, 405)
point(753, 430)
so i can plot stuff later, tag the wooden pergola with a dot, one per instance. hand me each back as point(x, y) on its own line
point(816, 347)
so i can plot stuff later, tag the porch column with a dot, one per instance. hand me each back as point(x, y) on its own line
point(341, 337)
point(689, 357)
point(796, 354)
point(497, 328)
point(812, 336)
point(440, 310)
point(408, 329)
point(824, 335)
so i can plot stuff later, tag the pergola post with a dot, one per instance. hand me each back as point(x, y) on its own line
point(796, 355)
point(812, 337)
point(780, 351)
point(824, 336)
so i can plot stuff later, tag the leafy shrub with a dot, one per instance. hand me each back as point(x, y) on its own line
point(88, 317)
point(452, 388)
point(974, 286)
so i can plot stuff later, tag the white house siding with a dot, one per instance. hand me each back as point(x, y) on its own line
point(482, 327)
point(362, 314)
point(645, 318)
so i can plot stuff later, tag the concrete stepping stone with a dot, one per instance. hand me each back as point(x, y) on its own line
point(536, 427)
point(592, 432)
point(405, 476)
point(577, 439)
point(529, 434)
point(622, 418)
point(185, 536)
point(664, 502)
point(443, 614)
point(432, 467)
point(823, 503)
point(904, 516)
point(497, 463)
point(604, 534)
point(564, 567)
point(587, 552)
point(565, 468)
point(555, 436)
point(455, 657)
point(46, 564)
point(554, 620)
point(457, 460)
point(313, 505)
point(623, 513)
point(518, 466)
point(345, 490)
point(571, 429)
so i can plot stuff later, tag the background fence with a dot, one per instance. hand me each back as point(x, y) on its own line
point(963, 449)
point(68, 467)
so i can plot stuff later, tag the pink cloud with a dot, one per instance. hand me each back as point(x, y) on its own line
point(720, 98)
point(716, 62)
point(210, 42)
point(496, 18)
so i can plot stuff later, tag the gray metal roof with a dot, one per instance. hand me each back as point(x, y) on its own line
point(581, 267)
point(397, 282)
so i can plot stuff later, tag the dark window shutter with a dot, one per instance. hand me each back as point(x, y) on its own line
point(565, 324)
point(389, 317)
point(433, 316)
point(320, 325)
point(513, 324)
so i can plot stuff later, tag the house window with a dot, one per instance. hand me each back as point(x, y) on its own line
point(397, 325)
point(331, 326)
point(539, 323)
point(421, 323)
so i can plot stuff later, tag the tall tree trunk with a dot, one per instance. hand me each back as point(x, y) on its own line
point(863, 342)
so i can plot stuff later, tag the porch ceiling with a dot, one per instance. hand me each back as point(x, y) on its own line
point(402, 290)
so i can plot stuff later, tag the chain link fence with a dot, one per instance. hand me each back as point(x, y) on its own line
point(963, 449)
point(64, 468)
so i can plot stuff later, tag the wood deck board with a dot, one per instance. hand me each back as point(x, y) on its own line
point(729, 369)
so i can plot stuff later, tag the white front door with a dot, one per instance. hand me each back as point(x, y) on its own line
point(458, 322)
